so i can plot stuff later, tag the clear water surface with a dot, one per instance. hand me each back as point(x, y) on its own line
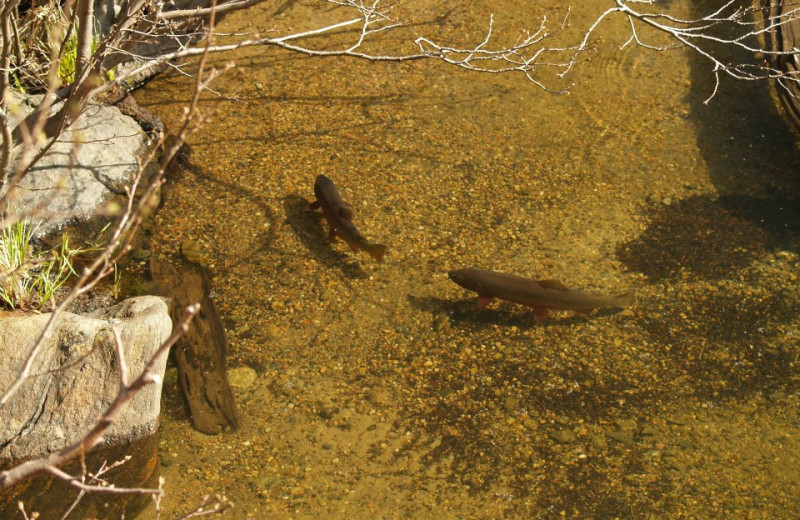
point(382, 391)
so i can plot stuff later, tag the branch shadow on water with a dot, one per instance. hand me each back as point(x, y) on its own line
point(264, 240)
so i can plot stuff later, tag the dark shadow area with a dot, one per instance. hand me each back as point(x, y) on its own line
point(173, 401)
point(748, 147)
point(730, 340)
point(708, 238)
point(51, 497)
point(307, 225)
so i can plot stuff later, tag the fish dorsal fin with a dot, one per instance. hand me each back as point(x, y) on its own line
point(346, 212)
point(553, 284)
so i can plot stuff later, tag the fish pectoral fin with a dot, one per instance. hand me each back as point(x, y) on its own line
point(540, 314)
point(553, 284)
point(346, 212)
point(314, 205)
point(484, 301)
point(377, 251)
point(353, 247)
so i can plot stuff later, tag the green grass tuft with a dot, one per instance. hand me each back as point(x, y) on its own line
point(29, 278)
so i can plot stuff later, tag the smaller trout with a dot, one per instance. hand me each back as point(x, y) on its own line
point(541, 295)
point(339, 216)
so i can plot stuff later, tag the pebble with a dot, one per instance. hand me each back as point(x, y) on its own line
point(262, 485)
point(648, 430)
point(563, 436)
point(626, 425)
point(510, 404)
point(622, 437)
point(241, 378)
point(598, 442)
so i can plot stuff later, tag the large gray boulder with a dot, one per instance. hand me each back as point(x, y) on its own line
point(89, 164)
point(53, 410)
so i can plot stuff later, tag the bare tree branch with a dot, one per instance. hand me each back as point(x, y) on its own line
point(119, 244)
point(732, 25)
point(195, 13)
point(85, 35)
point(88, 488)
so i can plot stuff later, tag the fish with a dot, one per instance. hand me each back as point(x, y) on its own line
point(339, 216)
point(541, 295)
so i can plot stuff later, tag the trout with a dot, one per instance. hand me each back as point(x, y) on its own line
point(540, 295)
point(339, 216)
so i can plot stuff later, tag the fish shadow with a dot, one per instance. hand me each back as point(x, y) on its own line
point(503, 313)
point(307, 226)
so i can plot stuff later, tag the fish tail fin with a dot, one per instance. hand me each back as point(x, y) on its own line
point(623, 301)
point(377, 251)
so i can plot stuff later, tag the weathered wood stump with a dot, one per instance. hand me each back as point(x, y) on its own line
point(784, 38)
point(200, 353)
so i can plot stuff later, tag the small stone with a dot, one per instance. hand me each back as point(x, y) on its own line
point(563, 436)
point(648, 430)
point(510, 404)
point(676, 421)
point(622, 437)
point(439, 323)
point(626, 425)
point(262, 485)
point(652, 455)
point(598, 442)
point(194, 252)
point(242, 377)
point(678, 466)
point(141, 254)
point(778, 396)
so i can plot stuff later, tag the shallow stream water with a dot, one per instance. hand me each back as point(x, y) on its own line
point(381, 390)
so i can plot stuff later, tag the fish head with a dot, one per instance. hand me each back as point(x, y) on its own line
point(322, 183)
point(463, 278)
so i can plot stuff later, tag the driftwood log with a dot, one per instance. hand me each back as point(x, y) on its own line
point(201, 353)
point(785, 38)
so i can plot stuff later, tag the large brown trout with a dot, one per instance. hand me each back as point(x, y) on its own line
point(541, 295)
point(339, 216)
